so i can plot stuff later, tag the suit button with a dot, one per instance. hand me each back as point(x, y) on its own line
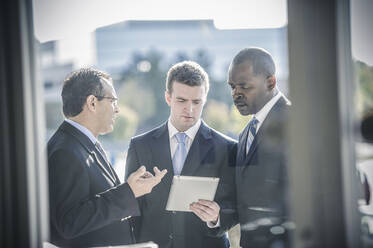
point(170, 236)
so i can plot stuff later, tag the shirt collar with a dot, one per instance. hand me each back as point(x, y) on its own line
point(263, 112)
point(83, 129)
point(191, 132)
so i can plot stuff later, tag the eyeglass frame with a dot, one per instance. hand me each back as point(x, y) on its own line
point(114, 99)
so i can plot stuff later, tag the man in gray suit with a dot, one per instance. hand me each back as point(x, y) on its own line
point(89, 206)
point(261, 164)
point(184, 145)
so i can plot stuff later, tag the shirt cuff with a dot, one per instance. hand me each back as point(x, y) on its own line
point(211, 225)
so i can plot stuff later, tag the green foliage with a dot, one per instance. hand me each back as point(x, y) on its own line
point(125, 124)
point(364, 92)
point(216, 114)
point(142, 88)
point(149, 85)
point(238, 122)
point(223, 118)
point(138, 98)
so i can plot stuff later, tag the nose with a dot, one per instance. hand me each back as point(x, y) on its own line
point(236, 93)
point(116, 109)
point(189, 107)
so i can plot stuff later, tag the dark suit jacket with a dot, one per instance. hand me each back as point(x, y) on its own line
point(87, 202)
point(211, 155)
point(261, 180)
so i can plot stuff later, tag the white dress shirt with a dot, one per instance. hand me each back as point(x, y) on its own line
point(260, 116)
point(263, 112)
point(190, 134)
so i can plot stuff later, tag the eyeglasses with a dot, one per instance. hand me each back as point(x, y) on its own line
point(112, 99)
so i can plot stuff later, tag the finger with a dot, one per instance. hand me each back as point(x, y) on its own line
point(194, 210)
point(208, 211)
point(137, 174)
point(151, 181)
point(156, 170)
point(147, 174)
point(159, 173)
point(206, 205)
point(210, 204)
point(199, 213)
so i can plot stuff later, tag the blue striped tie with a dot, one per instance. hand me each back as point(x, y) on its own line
point(251, 134)
point(180, 153)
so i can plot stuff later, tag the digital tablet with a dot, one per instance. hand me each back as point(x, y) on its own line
point(187, 189)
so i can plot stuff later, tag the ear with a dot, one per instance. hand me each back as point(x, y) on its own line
point(271, 82)
point(91, 103)
point(167, 97)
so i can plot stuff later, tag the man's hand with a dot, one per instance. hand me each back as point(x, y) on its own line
point(207, 211)
point(142, 182)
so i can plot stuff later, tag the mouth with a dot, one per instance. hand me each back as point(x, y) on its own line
point(187, 117)
point(240, 104)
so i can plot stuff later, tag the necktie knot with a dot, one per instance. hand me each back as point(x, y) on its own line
point(180, 137)
point(253, 123)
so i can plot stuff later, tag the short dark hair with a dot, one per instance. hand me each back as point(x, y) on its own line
point(189, 73)
point(78, 85)
point(260, 60)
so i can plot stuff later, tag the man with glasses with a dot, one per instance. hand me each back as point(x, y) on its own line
point(88, 204)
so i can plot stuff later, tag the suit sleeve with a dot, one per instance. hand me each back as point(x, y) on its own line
point(228, 212)
point(74, 210)
point(227, 196)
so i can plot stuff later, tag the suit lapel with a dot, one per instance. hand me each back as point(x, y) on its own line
point(104, 166)
point(161, 152)
point(254, 146)
point(200, 147)
point(259, 136)
point(241, 153)
point(91, 149)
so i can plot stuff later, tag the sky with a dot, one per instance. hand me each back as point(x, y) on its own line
point(56, 19)
point(73, 21)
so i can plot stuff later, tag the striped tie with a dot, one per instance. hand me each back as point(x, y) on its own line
point(251, 134)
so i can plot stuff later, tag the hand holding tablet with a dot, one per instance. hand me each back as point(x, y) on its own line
point(188, 189)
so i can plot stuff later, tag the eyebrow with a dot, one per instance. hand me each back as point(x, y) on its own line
point(181, 98)
point(239, 83)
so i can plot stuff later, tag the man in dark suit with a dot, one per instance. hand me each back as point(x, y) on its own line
point(261, 164)
point(184, 145)
point(88, 204)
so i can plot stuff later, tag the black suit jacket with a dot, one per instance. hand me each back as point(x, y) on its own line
point(261, 181)
point(211, 155)
point(87, 202)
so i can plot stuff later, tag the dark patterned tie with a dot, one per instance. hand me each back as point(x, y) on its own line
point(251, 134)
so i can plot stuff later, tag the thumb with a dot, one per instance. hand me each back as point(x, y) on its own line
point(137, 174)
